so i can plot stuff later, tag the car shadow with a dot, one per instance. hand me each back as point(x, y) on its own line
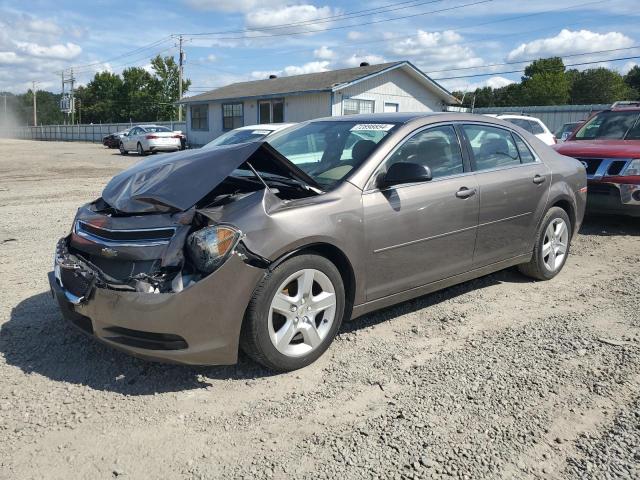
point(37, 340)
point(610, 225)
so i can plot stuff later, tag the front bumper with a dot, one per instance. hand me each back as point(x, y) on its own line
point(198, 326)
point(613, 197)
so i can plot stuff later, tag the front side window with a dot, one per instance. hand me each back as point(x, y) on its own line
point(492, 147)
point(436, 148)
point(609, 125)
point(352, 106)
point(329, 150)
point(232, 115)
point(199, 117)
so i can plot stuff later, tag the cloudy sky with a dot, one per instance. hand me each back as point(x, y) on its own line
point(463, 43)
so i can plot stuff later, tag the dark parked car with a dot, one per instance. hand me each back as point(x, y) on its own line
point(113, 139)
point(270, 245)
point(566, 130)
point(608, 145)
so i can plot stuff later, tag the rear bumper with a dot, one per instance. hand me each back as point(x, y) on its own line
point(613, 198)
point(198, 326)
point(164, 147)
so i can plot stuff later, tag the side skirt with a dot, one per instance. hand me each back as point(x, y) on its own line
point(364, 308)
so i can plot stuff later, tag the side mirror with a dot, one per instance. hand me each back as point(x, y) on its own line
point(405, 172)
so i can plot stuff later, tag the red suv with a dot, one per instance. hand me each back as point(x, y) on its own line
point(608, 145)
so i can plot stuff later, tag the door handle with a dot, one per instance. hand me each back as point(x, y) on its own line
point(465, 192)
point(538, 179)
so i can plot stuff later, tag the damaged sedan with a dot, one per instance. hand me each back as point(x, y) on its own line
point(269, 246)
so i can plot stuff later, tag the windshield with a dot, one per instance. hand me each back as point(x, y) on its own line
point(611, 125)
point(328, 151)
point(156, 129)
point(238, 136)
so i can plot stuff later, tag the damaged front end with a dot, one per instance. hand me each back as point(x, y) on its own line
point(162, 277)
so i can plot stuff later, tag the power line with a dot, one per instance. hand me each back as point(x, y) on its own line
point(331, 18)
point(550, 70)
point(373, 22)
point(532, 60)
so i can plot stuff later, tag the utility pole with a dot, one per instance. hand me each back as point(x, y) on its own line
point(35, 107)
point(181, 62)
point(73, 105)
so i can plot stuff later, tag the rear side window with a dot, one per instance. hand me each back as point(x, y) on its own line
point(492, 147)
point(436, 148)
point(525, 154)
point(525, 124)
point(536, 128)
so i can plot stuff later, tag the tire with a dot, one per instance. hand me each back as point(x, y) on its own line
point(306, 333)
point(140, 150)
point(551, 242)
point(122, 149)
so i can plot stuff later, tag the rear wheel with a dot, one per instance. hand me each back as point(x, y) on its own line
point(141, 151)
point(294, 314)
point(123, 151)
point(552, 246)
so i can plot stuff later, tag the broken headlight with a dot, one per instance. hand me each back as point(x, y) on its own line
point(208, 248)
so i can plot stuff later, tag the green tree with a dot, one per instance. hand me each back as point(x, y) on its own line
point(545, 83)
point(140, 91)
point(632, 79)
point(166, 71)
point(599, 85)
point(101, 100)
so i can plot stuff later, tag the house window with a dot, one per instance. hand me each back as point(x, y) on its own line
point(199, 117)
point(271, 111)
point(232, 115)
point(391, 107)
point(351, 106)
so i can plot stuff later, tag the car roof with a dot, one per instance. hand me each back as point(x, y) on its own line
point(515, 115)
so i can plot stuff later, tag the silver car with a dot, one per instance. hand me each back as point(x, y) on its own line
point(145, 139)
point(269, 246)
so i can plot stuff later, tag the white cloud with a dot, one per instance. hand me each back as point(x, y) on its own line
point(66, 51)
point(355, 60)
point(425, 42)
point(353, 35)
point(264, 18)
point(569, 42)
point(211, 58)
point(324, 53)
point(435, 52)
point(9, 58)
point(310, 67)
point(234, 5)
point(626, 67)
point(462, 86)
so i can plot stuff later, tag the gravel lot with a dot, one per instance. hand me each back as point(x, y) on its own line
point(500, 377)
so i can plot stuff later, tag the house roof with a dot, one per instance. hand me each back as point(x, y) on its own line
point(312, 82)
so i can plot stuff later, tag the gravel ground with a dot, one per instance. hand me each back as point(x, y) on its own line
point(500, 377)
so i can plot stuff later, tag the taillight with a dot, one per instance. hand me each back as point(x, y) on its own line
point(177, 136)
point(151, 137)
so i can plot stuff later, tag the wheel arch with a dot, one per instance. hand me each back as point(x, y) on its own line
point(336, 256)
point(565, 204)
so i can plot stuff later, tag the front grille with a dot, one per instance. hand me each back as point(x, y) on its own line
point(616, 167)
point(76, 281)
point(142, 235)
point(592, 164)
point(146, 340)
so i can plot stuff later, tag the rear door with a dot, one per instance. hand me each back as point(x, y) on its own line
point(422, 232)
point(513, 189)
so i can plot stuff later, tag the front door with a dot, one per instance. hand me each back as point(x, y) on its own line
point(513, 191)
point(419, 233)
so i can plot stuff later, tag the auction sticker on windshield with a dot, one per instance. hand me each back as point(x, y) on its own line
point(381, 127)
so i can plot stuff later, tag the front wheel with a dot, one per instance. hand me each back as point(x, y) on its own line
point(123, 151)
point(552, 246)
point(294, 313)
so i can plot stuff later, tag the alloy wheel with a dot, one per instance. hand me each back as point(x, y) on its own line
point(554, 246)
point(302, 312)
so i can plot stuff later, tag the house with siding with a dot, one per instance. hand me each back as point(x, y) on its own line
point(387, 87)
